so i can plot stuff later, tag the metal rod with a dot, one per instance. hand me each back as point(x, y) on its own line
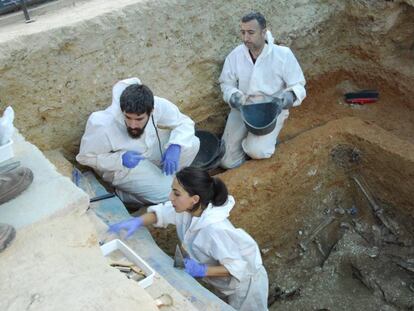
point(25, 12)
point(102, 197)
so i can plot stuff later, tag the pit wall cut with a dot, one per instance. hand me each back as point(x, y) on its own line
point(276, 198)
point(58, 70)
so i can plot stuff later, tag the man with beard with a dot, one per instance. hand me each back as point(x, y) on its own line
point(138, 143)
point(257, 69)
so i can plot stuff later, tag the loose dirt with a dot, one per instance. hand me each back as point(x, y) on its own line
point(354, 262)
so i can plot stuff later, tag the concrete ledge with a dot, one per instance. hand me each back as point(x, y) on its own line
point(50, 194)
point(56, 264)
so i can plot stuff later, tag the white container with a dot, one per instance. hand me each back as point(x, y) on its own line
point(6, 151)
point(114, 245)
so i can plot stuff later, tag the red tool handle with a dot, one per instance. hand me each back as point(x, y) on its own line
point(361, 101)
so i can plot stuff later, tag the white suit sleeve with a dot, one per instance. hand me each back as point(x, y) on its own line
point(293, 77)
point(96, 150)
point(225, 249)
point(166, 214)
point(182, 127)
point(228, 79)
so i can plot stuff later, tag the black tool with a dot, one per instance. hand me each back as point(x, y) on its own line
point(362, 97)
point(26, 12)
point(102, 197)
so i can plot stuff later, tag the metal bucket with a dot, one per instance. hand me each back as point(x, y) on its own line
point(211, 151)
point(260, 119)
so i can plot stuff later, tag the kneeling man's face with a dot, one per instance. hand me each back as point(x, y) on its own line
point(252, 35)
point(136, 123)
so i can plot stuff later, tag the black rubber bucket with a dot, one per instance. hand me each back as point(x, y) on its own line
point(260, 119)
point(211, 151)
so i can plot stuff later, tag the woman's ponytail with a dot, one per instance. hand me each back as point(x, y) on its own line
point(220, 192)
point(198, 182)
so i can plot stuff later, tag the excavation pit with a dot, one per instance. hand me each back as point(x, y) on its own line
point(56, 71)
point(323, 242)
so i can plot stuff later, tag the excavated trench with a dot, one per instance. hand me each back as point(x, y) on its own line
point(332, 210)
point(336, 227)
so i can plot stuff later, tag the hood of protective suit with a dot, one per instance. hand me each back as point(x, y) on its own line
point(213, 214)
point(269, 37)
point(270, 41)
point(117, 90)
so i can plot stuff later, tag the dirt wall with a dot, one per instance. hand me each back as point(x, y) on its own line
point(308, 184)
point(56, 71)
point(280, 196)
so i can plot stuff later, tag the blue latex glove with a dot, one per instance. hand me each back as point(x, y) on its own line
point(130, 159)
point(170, 159)
point(131, 225)
point(194, 268)
point(288, 99)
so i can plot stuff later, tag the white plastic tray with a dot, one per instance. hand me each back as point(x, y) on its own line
point(117, 244)
point(6, 151)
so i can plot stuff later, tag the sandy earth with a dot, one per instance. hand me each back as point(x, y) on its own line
point(52, 262)
point(281, 201)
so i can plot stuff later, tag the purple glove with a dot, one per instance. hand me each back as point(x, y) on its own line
point(170, 159)
point(130, 159)
point(194, 268)
point(131, 225)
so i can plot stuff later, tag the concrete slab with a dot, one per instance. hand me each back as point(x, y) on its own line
point(56, 264)
point(49, 194)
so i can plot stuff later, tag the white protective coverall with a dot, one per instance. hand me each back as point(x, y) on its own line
point(106, 139)
point(213, 240)
point(275, 71)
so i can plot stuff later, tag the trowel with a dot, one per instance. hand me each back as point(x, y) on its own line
point(179, 256)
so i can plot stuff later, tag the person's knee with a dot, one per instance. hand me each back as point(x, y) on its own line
point(229, 162)
point(160, 196)
point(157, 195)
point(226, 164)
point(258, 152)
point(160, 191)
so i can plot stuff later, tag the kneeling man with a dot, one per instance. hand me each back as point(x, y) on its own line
point(138, 143)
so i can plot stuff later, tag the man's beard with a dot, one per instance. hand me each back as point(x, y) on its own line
point(135, 133)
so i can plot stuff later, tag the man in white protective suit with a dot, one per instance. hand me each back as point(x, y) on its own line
point(258, 67)
point(138, 143)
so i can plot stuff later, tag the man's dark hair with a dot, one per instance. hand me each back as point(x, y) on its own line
point(137, 98)
point(257, 16)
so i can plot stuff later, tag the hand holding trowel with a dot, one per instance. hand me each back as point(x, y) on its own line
point(182, 260)
point(180, 254)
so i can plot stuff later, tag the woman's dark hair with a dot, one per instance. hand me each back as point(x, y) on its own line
point(137, 98)
point(198, 182)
